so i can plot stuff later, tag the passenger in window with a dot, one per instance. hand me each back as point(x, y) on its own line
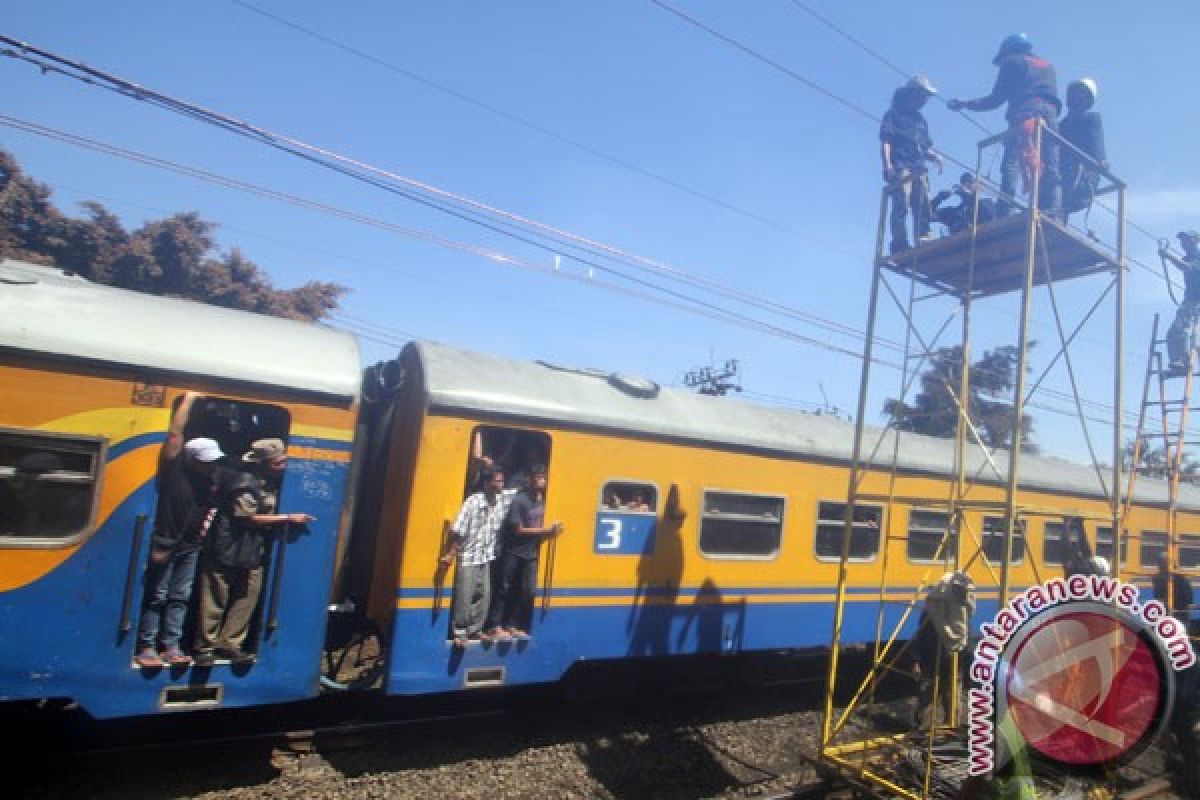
point(185, 511)
point(638, 502)
point(516, 575)
point(231, 581)
point(612, 501)
point(27, 507)
point(474, 538)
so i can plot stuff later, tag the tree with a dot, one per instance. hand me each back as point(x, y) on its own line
point(992, 379)
point(175, 257)
point(1152, 463)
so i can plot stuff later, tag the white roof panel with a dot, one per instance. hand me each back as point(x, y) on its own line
point(48, 311)
point(460, 380)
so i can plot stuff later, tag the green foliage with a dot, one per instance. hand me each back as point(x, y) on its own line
point(1153, 463)
point(935, 413)
point(175, 256)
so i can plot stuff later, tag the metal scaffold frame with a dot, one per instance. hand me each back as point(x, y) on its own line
point(1010, 254)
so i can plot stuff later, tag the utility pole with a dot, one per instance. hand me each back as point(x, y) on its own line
point(715, 381)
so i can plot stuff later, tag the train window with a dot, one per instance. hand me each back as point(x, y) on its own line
point(994, 533)
point(1105, 546)
point(926, 532)
point(1153, 545)
point(627, 519)
point(629, 497)
point(831, 529)
point(1189, 551)
point(1053, 549)
point(741, 525)
point(513, 450)
point(48, 487)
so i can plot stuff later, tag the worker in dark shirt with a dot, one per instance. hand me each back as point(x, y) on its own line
point(958, 218)
point(905, 146)
point(1173, 591)
point(1028, 84)
point(1178, 355)
point(516, 569)
point(1084, 129)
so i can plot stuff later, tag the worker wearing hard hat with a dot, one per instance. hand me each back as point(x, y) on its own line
point(905, 146)
point(1028, 84)
point(1178, 353)
point(1082, 127)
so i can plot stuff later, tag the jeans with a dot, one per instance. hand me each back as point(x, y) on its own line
point(515, 583)
point(472, 591)
point(1181, 331)
point(910, 192)
point(168, 590)
point(1019, 155)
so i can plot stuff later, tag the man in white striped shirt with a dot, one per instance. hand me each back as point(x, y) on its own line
point(475, 535)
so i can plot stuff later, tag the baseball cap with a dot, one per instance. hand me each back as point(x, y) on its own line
point(265, 450)
point(203, 450)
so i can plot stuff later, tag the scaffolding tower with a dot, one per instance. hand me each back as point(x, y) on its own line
point(1017, 254)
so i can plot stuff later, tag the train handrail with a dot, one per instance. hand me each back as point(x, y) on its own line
point(277, 581)
point(139, 530)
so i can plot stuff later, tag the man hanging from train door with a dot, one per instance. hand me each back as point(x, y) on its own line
point(516, 577)
point(1028, 84)
point(181, 518)
point(474, 538)
point(231, 581)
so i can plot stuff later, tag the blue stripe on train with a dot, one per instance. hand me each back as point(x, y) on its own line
point(701, 622)
point(61, 634)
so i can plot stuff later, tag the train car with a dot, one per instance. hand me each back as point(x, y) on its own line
point(90, 375)
point(694, 524)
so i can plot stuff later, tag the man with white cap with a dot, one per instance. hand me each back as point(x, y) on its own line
point(231, 582)
point(905, 146)
point(184, 512)
point(1083, 128)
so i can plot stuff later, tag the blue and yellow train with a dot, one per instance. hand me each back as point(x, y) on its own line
point(693, 525)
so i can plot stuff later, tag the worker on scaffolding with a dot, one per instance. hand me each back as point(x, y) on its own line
point(943, 630)
point(1083, 128)
point(960, 217)
point(1029, 85)
point(905, 146)
point(1178, 347)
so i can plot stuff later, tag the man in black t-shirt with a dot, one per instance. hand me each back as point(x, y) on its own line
point(515, 578)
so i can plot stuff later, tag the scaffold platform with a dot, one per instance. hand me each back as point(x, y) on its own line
point(1000, 253)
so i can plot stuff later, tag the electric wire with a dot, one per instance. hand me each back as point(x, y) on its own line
point(49, 62)
point(512, 117)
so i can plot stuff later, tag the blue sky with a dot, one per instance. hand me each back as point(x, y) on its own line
point(641, 86)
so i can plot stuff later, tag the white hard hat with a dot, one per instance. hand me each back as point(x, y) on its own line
point(203, 450)
point(1089, 84)
point(1100, 566)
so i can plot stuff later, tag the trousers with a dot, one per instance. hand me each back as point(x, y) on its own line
point(515, 582)
point(168, 590)
point(472, 593)
point(228, 599)
point(1181, 330)
point(909, 193)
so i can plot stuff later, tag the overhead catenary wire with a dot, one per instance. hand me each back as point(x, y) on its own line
point(513, 118)
point(49, 62)
point(488, 216)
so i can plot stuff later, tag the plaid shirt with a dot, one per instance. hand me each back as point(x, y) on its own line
point(479, 525)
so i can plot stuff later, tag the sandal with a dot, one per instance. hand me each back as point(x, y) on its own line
point(176, 658)
point(148, 659)
point(517, 633)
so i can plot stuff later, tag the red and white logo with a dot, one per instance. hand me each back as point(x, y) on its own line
point(1083, 687)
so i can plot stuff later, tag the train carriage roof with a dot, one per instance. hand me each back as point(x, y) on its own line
point(47, 311)
point(461, 381)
